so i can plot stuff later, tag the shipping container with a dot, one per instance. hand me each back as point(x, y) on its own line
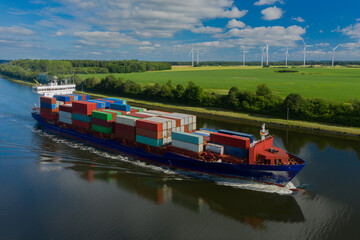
point(202, 133)
point(49, 116)
point(125, 131)
point(49, 100)
point(80, 117)
point(71, 97)
point(138, 115)
point(229, 140)
point(65, 120)
point(238, 134)
point(114, 111)
point(47, 105)
point(106, 100)
point(107, 104)
point(49, 111)
point(149, 114)
point(150, 134)
point(234, 151)
point(102, 123)
point(66, 108)
point(160, 113)
point(82, 107)
point(214, 148)
point(126, 120)
point(102, 115)
point(139, 109)
point(179, 121)
point(97, 128)
point(187, 137)
point(146, 124)
point(121, 107)
point(188, 146)
point(81, 124)
point(65, 114)
point(117, 100)
point(99, 104)
point(168, 123)
point(62, 98)
point(149, 141)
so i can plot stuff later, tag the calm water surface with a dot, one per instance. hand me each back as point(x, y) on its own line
point(54, 188)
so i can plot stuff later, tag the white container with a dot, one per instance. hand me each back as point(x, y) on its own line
point(159, 113)
point(167, 122)
point(65, 120)
point(64, 114)
point(194, 126)
point(190, 127)
point(149, 114)
point(129, 121)
point(214, 148)
point(188, 146)
point(182, 129)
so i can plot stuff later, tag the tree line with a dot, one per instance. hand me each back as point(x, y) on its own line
point(262, 101)
point(30, 69)
point(258, 63)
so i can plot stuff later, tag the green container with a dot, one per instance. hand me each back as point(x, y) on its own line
point(140, 109)
point(133, 117)
point(102, 115)
point(149, 141)
point(101, 129)
point(109, 110)
point(80, 117)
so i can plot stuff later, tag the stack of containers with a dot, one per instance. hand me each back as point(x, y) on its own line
point(103, 121)
point(233, 145)
point(116, 100)
point(137, 109)
point(188, 124)
point(62, 98)
point(152, 131)
point(81, 114)
point(188, 141)
point(125, 127)
point(214, 148)
point(107, 103)
point(65, 111)
point(120, 106)
point(245, 135)
point(99, 104)
point(205, 134)
point(48, 109)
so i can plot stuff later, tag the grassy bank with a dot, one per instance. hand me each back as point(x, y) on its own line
point(229, 116)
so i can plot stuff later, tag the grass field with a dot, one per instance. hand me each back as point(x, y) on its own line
point(340, 84)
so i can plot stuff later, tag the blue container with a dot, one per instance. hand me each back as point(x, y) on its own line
point(47, 105)
point(62, 98)
point(79, 97)
point(99, 104)
point(80, 117)
point(116, 100)
point(238, 152)
point(121, 107)
point(187, 137)
point(76, 97)
point(202, 134)
point(149, 141)
point(245, 135)
point(107, 104)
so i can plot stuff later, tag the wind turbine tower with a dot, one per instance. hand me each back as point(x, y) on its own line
point(267, 53)
point(197, 56)
point(305, 46)
point(333, 54)
point(286, 56)
point(192, 56)
point(244, 55)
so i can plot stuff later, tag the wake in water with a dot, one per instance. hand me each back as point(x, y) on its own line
point(228, 182)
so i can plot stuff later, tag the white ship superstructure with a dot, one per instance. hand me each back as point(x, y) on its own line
point(53, 88)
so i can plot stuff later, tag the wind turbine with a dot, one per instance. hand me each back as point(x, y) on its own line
point(304, 51)
point(244, 54)
point(197, 56)
point(267, 53)
point(286, 56)
point(333, 55)
point(192, 56)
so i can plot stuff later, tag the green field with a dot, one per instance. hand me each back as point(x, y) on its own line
point(340, 84)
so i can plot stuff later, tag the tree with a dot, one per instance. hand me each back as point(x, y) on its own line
point(294, 102)
point(232, 100)
point(263, 90)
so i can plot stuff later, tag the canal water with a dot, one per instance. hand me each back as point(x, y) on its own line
point(55, 188)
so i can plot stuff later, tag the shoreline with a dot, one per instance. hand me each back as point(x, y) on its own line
point(234, 117)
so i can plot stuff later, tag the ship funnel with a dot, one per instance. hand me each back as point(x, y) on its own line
point(263, 132)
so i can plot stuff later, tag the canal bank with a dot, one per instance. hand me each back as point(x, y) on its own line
point(235, 117)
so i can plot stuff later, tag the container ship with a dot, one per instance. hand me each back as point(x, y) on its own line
point(163, 138)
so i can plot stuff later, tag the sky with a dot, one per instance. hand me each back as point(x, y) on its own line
point(166, 30)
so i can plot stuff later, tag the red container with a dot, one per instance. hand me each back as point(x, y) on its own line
point(102, 123)
point(186, 128)
point(139, 115)
point(124, 131)
point(178, 121)
point(49, 116)
point(149, 125)
point(48, 111)
point(80, 124)
point(84, 108)
point(230, 140)
point(134, 110)
point(71, 98)
point(48, 100)
point(149, 133)
point(65, 108)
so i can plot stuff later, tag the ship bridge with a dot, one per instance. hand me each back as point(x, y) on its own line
point(54, 88)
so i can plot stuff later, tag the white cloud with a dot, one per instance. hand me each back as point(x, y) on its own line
point(59, 33)
point(353, 31)
point(272, 13)
point(322, 45)
point(299, 19)
point(267, 2)
point(15, 30)
point(148, 48)
point(235, 24)
point(207, 30)
point(95, 53)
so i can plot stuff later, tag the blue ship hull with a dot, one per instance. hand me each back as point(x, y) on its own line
point(279, 174)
